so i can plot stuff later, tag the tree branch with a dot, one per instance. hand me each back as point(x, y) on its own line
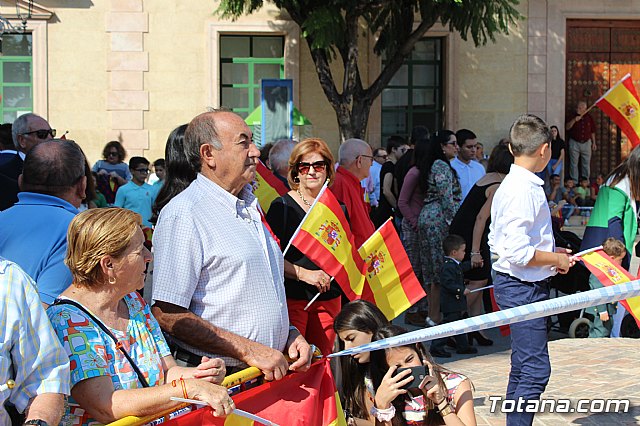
point(396, 61)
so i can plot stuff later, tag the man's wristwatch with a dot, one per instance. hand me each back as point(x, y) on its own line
point(36, 422)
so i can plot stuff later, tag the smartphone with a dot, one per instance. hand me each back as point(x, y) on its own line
point(418, 374)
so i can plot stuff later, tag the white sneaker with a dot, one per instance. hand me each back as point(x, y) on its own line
point(428, 322)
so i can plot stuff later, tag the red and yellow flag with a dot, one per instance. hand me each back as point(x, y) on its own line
point(609, 273)
point(622, 105)
point(267, 187)
point(393, 285)
point(325, 238)
point(299, 399)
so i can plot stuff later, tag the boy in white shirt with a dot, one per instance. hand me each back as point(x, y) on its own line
point(520, 233)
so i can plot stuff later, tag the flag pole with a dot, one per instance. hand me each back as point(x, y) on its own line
point(315, 297)
point(295, 234)
point(371, 236)
point(583, 252)
point(235, 411)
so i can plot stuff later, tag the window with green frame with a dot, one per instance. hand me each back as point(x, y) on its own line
point(16, 76)
point(244, 61)
point(414, 95)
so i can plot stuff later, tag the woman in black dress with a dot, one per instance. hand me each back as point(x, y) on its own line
point(310, 166)
point(472, 223)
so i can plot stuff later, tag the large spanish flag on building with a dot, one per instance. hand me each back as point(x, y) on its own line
point(609, 273)
point(267, 187)
point(394, 286)
point(299, 399)
point(622, 105)
point(325, 238)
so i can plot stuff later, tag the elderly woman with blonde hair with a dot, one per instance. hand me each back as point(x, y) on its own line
point(120, 362)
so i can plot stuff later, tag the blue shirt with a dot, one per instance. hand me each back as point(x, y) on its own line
point(33, 234)
point(30, 352)
point(122, 169)
point(137, 198)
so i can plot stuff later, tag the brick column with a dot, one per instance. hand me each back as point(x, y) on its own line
point(127, 62)
point(537, 58)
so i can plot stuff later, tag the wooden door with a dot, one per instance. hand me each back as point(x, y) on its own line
point(599, 54)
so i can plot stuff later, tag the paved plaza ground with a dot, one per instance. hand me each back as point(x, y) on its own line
point(581, 368)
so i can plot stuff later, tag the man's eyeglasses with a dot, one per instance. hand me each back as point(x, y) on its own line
point(384, 157)
point(366, 156)
point(318, 166)
point(42, 133)
point(141, 170)
point(113, 154)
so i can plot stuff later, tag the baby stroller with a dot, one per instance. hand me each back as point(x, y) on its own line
point(573, 323)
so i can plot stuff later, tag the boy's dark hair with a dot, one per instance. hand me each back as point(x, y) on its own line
point(159, 163)
point(582, 178)
point(463, 135)
point(452, 242)
point(396, 142)
point(553, 176)
point(136, 161)
point(614, 247)
point(527, 134)
point(569, 178)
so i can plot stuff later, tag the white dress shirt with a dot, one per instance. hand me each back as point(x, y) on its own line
point(520, 225)
point(214, 256)
point(468, 174)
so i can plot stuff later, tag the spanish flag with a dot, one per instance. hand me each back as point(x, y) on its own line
point(622, 105)
point(609, 273)
point(325, 238)
point(299, 399)
point(267, 187)
point(394, 286)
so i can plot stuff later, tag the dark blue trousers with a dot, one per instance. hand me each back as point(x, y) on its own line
point(530, 366)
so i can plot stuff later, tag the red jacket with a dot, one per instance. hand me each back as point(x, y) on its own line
point(347, 189)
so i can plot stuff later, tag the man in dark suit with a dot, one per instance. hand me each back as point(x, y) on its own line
point(27, 131)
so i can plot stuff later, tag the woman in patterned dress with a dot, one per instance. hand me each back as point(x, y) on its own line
point(443, 397)
point(137, 375)
point(442, 191)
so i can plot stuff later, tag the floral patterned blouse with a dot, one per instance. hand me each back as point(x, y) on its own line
point(93, 353)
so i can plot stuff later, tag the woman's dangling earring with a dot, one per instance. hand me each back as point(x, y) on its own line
point(112, 280)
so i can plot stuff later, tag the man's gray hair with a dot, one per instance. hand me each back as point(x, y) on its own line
point(200, 131)
point(280, 153)
point(350, 150)
point(53, 167)
point(21, 125)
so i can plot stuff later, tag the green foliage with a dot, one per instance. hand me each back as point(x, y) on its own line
point(392, 21)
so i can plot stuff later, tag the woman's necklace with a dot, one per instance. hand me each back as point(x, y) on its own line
point(302, 198)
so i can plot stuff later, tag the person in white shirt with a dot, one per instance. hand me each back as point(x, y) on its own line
point(379, 158)
point(468, 170)
point(520, 234)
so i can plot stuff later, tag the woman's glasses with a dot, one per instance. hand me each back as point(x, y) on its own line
point(318, 166)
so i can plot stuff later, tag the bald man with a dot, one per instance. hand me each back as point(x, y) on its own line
point(33, 233)
point(354, 158)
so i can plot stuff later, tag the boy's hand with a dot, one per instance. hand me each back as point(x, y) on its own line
point(604, 316)
point(564, 263)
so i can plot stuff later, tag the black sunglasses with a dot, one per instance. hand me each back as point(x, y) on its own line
point(318, 166)
point(42, 133)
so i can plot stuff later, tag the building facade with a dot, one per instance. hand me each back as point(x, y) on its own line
point(134, 69)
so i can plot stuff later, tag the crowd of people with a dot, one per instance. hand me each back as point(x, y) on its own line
point(224, 297)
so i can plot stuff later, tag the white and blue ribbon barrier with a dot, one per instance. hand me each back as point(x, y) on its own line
point(509, 316)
